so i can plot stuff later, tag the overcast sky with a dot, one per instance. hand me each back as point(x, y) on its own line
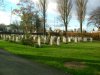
point(52, 12)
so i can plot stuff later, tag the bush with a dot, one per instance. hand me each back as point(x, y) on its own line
point(28, 41)
point(96, 36)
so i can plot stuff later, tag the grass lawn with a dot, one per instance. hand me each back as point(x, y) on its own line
point(76, 59)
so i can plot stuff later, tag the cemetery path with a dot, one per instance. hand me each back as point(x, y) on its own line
point(14, 65)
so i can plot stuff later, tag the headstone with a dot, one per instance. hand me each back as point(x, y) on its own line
point(13, 38)
point(79, 39)
point(39, 41)
point(5, 37)
point(9, 37)
point(17, 40)
point(58, 41)
point(34, 37)
point(69, 39)
point(75, 39)
point(85, 39)
point(64, 39)
point(1, 36)
point(51, 40)
point(22, 36)
point(91, 39)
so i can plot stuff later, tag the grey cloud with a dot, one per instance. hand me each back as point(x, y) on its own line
point(92, 4)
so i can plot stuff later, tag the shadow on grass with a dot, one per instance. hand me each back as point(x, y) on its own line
point(92, 63)
point(36, 57)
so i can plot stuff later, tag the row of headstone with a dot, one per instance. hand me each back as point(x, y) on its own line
point(15, 38)
point(43, 39)
point(79, 39)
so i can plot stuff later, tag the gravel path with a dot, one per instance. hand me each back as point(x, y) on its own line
point(13, 65)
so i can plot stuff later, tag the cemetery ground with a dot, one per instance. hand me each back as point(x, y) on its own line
point(81, 58)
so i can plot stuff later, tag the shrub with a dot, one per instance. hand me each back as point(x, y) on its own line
point(28, 41)
point(96, 36)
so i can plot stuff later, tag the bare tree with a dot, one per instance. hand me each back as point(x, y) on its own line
point(43, 8)
point(15, 26)
point(64, 7)
point(95, 18)
point(81, 6)
point(26, 13)
point(3, 28)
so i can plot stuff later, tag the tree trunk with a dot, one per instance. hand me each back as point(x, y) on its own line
point(44, 15)
point(66, 30)
point(66, 27)
point(81, 26)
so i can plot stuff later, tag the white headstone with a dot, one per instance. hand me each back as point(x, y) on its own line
point(9, 37)
point(1, 36)
point(58, 41)
point(17, 40)
point(51, 40)
point(75, 39)
point(34, 37)
point(19, 37)
point(39, 41)
point(13, 38)
point(64, 39)
point(69, 39)
point(91, 39)
point(22, 36)
point(79, 39)
point(85, 39)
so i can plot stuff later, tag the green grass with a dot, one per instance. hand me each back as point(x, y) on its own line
point(56, 56)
